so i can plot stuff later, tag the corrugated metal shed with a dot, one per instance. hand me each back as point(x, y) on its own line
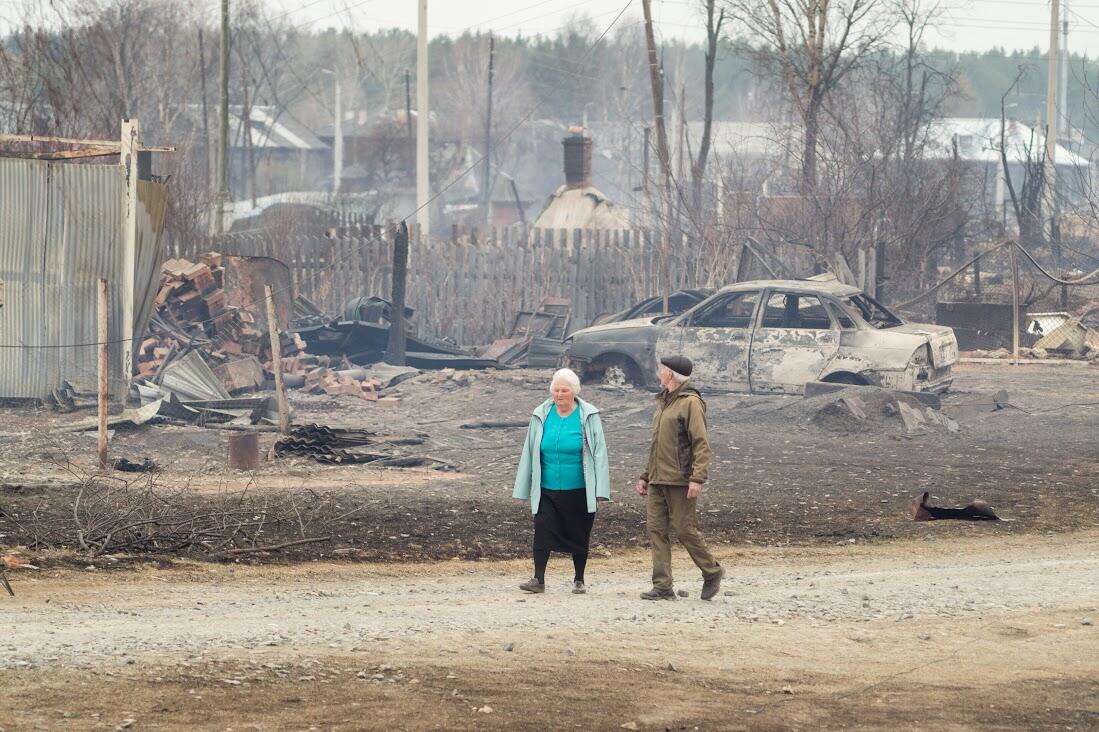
point(60, 231)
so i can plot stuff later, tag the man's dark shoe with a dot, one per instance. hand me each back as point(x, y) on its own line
point(658, 594)
point(533, 585)
point(711, 586)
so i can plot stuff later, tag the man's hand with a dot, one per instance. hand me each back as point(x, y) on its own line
point(642, 488)
point(694, 490)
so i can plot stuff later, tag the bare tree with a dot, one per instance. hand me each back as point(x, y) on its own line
point(811, 46)
point(1026, 201)
point(715, 19)
point(463, 98)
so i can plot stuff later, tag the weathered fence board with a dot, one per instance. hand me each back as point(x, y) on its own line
point(470, 285)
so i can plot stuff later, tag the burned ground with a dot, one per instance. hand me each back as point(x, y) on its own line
point(838, 610)
point(781, 473)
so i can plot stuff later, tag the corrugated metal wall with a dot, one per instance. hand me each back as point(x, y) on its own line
point(60, 231)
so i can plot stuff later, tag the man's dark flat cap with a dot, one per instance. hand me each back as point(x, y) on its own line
point(678, 364)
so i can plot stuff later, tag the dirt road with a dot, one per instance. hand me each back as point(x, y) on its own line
point(992, 633)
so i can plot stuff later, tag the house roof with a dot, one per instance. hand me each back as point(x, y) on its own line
point(746, 139)
point(580, 208)
point(979, 141)
point(271, 128)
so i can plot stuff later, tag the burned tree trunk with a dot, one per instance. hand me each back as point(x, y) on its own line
point(395, 351)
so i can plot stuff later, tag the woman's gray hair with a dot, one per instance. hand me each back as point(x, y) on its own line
point(567, 377)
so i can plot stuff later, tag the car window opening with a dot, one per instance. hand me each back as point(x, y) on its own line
point(735, 311)
point(873, 312)
point(790, 310)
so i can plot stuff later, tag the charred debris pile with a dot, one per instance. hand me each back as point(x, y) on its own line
point(205, 360)
point(208, 340)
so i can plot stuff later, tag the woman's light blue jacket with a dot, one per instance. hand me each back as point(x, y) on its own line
point(597, 472)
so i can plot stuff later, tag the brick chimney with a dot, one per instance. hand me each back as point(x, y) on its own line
point(577, 159)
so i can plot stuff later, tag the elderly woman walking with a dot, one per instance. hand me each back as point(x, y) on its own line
point(564, 472)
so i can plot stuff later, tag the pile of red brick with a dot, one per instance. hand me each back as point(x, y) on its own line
point(323, 380)
point(191, 312)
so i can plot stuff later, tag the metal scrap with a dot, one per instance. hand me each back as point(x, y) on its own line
point(129, 418)
point(536, 338)
point(975, 511)
point(345, 446)
point(189, 377)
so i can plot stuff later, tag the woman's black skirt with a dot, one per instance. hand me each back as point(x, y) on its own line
point(563, 523)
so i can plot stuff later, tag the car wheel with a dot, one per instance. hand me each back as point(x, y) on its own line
point(612, 371)
point(615, 376)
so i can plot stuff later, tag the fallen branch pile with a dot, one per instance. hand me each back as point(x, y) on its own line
point(108, 516)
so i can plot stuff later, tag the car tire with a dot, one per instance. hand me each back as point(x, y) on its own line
point(615, 371)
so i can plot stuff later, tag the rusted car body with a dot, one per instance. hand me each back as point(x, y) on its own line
point(773, 336)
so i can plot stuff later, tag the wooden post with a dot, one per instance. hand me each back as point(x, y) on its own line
point(131, 138)
point(101, 338)
point(1014, 307)
point(395, 350)
point(276, 360)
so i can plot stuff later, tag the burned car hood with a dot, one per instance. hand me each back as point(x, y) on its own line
point(622, 325)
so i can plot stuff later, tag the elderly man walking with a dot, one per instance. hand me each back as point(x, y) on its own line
point(679, 463)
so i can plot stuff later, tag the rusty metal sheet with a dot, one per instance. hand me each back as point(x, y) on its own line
point(241, 374)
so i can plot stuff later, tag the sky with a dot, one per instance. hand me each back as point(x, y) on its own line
point(975, 25)
point(966, 25)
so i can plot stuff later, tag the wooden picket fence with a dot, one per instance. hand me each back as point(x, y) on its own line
point(469, 287)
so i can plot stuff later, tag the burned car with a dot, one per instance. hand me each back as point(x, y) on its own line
point(773, 336)
point(678, 302)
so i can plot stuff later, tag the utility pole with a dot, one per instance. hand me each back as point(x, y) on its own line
point(1051, 127)
point(408, 103)
point(646, 170)
point(661, 136)
point(1063, 92)
point(486, 187)
point(337, 135)
point(338, 152)
point(211, 170)
point(423, 187)
point(223, 124)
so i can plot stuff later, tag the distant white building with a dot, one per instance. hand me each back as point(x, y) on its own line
point(978, 141)
point(286, 154)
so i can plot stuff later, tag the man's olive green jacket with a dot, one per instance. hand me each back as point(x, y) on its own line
point(680, 449)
